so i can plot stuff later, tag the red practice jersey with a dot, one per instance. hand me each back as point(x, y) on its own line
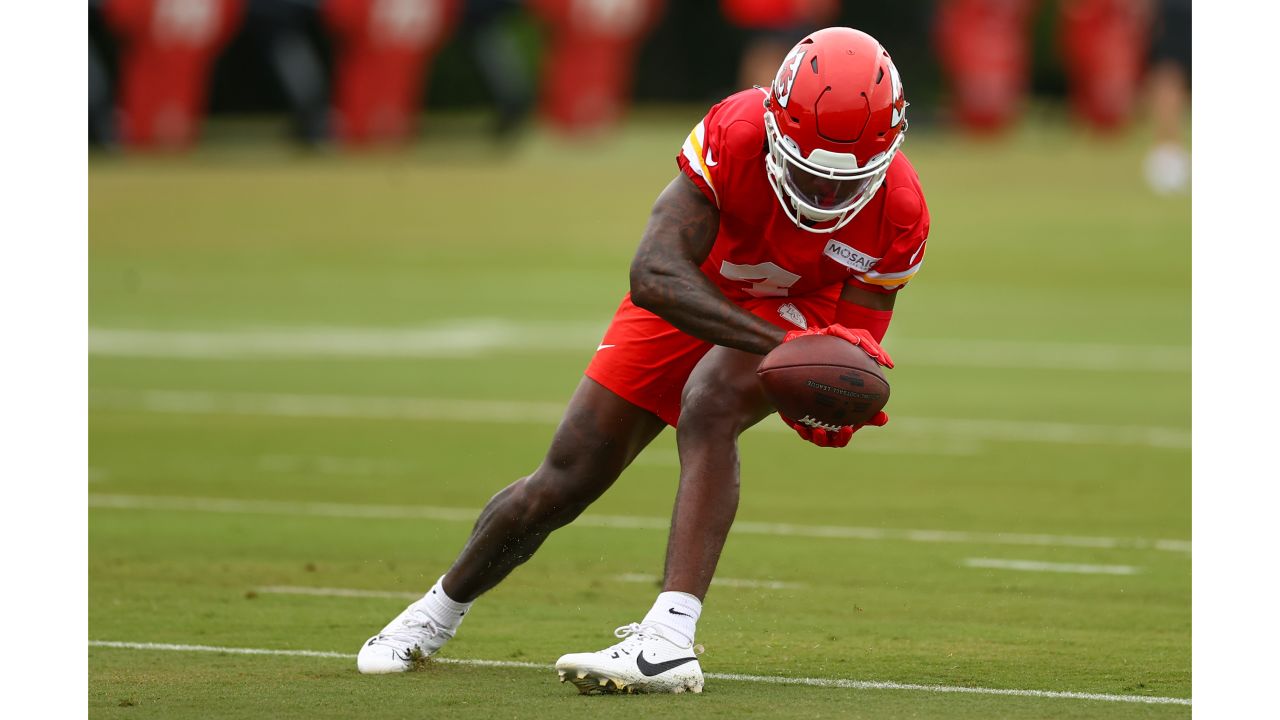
point(759, 251)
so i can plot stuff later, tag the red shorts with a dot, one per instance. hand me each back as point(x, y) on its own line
point(645, 360)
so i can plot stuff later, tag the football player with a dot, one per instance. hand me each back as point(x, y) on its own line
point(794, 212)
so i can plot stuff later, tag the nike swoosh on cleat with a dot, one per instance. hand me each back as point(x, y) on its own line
point(674, 611)
point(649, 669)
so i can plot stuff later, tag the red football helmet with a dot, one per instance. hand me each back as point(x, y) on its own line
point(834, 119)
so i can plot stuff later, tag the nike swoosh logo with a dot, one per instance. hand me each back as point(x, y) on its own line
point(710, 162)
point(649, 669)
point(603, 347)
point(673, 611)
point(915, 254)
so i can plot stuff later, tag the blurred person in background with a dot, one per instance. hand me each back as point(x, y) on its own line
point(497, 55)
point(279, 31)
point(384, 50)
point(788, 217)
point(168, 48)
point(590, 59)
point(773, 27)
point(1104, 47)
point(984, 47)
point(102, 126)
point(1168, 164)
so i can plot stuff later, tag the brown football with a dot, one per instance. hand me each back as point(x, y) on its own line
point(820, 379)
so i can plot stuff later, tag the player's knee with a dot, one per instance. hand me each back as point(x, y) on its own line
point(716, 408)
point(552, 499)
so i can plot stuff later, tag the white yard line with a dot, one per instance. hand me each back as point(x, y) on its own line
point(470, 338)
point(718, 581)
point(405, 595)
point(1038, 566)
point(335, 592)
point(328, 406)
point(768, 679)
point(952, 430)
point(748, 527)
point(476, 337)
point(1011, 354)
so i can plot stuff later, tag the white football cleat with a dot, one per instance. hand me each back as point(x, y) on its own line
point(646, 661)
point(407, 640)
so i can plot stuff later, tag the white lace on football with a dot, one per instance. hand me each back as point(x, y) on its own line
point(815, 423)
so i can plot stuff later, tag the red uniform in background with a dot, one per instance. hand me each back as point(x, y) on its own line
point(760, 259)
point(984, 46)
point(384, 50)
point(168, 48)
point(985, 50)
point(1104, 47)
point(590, 60)
point(776, 14)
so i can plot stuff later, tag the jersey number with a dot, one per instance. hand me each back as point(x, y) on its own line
point(767, 279)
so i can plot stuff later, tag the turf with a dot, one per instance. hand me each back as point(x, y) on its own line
point(1045, 243)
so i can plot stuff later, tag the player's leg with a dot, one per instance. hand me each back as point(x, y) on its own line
point(721, 399)
point(600, 435)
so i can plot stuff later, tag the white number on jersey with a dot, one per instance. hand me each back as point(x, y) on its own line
point(767, 279)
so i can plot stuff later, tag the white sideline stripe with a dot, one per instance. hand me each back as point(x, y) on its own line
point(475, 337)
point(447, 514)
point(460, 339)
point(335, 592)
point(495, 411)
point(950, 447)
point(1008, 354)
point(723, 582)
point(405, 595)
point(770, 679)
point(1038, 566)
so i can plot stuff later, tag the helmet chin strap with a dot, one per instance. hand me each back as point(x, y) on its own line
point(810, 220)
point(807, 218)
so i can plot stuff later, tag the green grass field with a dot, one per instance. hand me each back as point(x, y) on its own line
point(308, 373)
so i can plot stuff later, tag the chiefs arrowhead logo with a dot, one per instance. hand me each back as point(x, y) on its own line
point(787, 76)
point(899, 102)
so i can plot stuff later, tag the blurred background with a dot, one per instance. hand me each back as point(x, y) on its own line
point(359, 73)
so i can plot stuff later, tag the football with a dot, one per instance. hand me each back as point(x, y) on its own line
point(823, 380)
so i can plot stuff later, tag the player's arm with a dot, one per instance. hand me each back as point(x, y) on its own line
point(862, 308)
point(667, 280)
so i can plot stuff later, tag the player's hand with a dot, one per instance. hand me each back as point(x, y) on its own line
point(823, 437)
point(856, 336)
